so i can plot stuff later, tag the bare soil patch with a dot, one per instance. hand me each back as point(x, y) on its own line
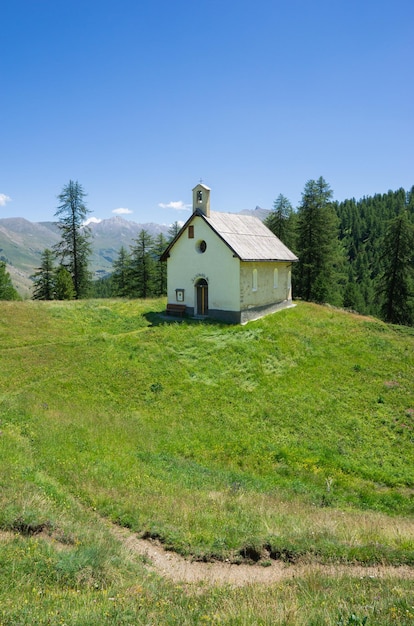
point(183, 570)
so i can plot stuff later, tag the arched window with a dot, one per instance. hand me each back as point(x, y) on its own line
point(275, 278)
point(254, 280)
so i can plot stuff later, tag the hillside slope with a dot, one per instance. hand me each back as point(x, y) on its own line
point(289, 439)
point(293, 401)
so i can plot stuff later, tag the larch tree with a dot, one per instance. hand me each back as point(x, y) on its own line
point(74, 249)
point(44, 278)
point(173, 230)
point(281, 221)
point(317, 245)
point(142, 266)
point(160, 269)
point(7, 291)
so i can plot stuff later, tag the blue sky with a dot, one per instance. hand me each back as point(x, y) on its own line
point(139, 99)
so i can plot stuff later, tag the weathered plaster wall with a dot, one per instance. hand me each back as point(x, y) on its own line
point(266, 293)
point(216, 265)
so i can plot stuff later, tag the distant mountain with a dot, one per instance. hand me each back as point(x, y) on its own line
point(257, 212)
point(108, 236)
point(22, 243)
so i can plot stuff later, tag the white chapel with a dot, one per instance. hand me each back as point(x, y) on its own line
point(226, 266)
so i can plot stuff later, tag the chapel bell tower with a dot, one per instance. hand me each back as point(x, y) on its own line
point(201, 199)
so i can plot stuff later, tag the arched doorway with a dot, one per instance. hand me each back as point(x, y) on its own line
point(202, 297)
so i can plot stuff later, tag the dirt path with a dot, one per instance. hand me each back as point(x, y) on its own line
point(180, 569)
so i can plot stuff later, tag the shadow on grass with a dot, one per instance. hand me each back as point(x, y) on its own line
point(160, 318)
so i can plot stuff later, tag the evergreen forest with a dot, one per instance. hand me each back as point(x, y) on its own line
point(371, 248)
point(355, 254)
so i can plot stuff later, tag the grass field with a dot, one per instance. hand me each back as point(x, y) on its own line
point(289, 438)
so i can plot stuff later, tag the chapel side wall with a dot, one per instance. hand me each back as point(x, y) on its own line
point(216, 265)
point(266, 292)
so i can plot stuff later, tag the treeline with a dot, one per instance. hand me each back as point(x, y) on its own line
point(357, 254)
point(354, 254)
point(138, 273)
point(376, 234)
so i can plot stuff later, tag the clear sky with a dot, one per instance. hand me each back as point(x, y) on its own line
point(140, 99)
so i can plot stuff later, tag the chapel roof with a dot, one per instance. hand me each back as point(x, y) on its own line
point(246, 236)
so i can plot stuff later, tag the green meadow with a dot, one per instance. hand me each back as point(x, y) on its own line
point(288, 439)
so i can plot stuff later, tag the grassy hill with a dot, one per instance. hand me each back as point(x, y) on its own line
point(290, 438)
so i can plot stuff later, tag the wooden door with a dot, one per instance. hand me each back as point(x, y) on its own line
point(202, 297)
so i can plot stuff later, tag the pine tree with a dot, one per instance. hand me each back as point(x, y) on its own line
point(160, 269)
point(102, 288)
point(74, 249)
point(142, 266)
point(121, 279)
point(397, 280)
point(317, 245)
point(281, 221)
point(44, 278)
point(353, 297)
point(7, 291)
point(410, 204)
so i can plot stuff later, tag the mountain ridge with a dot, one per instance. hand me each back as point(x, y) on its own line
point(22, 243)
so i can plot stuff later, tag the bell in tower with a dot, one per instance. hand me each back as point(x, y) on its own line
point(201, 199)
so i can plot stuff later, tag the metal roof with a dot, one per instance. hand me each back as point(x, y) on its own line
point(248, 237)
